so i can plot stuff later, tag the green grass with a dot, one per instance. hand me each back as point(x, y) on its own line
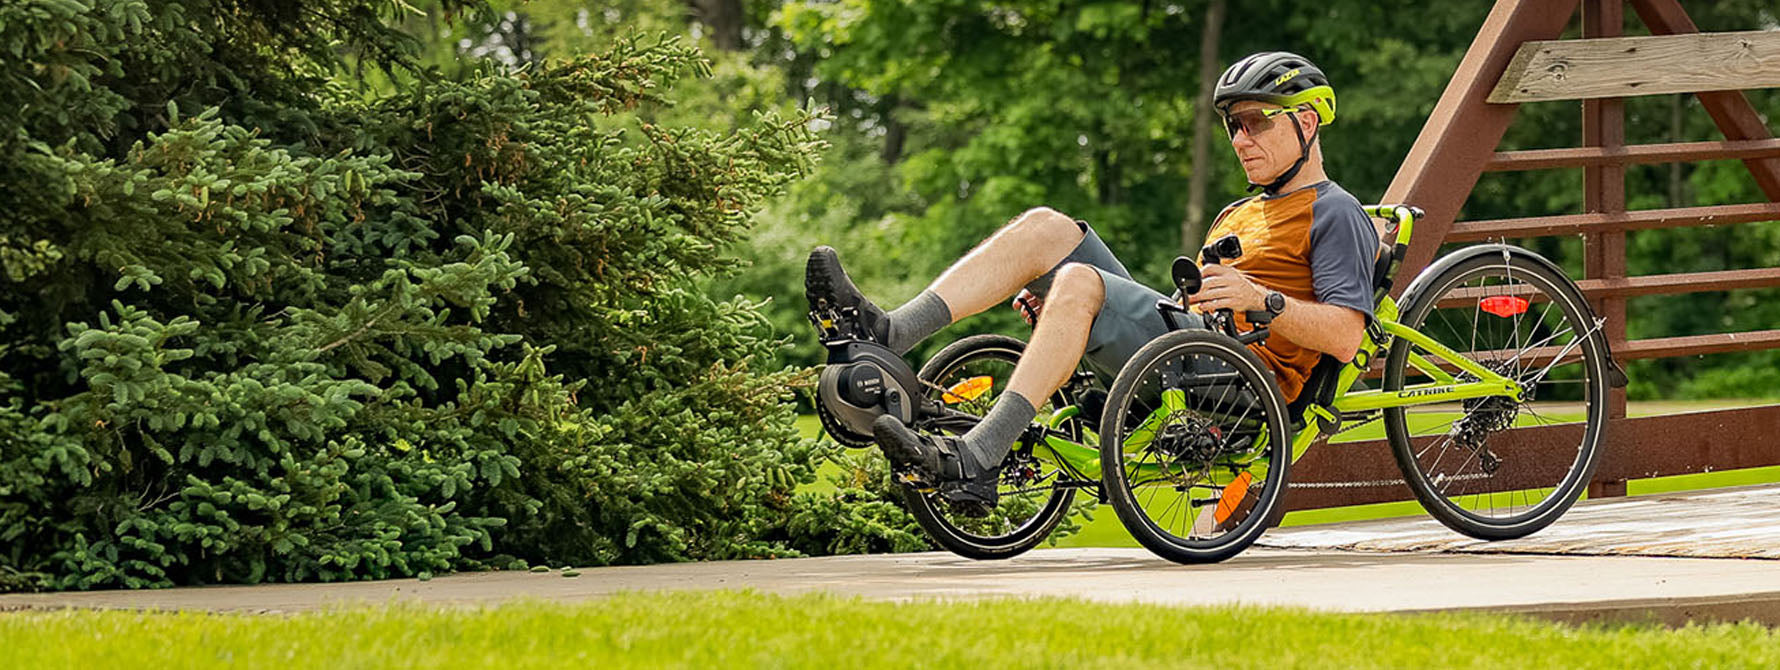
point(729, 629)
point(1104, 529)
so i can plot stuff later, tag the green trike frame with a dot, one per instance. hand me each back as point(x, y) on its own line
point(1447, 377)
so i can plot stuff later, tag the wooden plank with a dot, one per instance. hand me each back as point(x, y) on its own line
point(1357, 473)
point(1695, 345)
point(1731, 110)
point(1573, 224)
point(1660, 347)
point(1613, 67)
point(1463, 131)
point(1629, 287)
point(1683, 282)
point(1717, 523)
point(1640, 154)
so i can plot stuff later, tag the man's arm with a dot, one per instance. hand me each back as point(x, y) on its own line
point(1331, 329)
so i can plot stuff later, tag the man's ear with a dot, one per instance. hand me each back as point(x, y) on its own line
point(1307, 125)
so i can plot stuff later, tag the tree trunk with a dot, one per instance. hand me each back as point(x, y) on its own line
point(895, 131)
point(1675, 128)
point(1192, 228)
point(724, 19)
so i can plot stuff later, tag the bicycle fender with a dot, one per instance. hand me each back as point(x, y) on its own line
point(1420, 284)
point(1616, 376)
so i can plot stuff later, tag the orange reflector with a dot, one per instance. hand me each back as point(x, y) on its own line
point(1504, 305)
point(969, 389)
point(1232, 498)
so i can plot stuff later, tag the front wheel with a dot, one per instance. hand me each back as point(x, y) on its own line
point(1513, 314)
point(968, 376)
point(1195, 444)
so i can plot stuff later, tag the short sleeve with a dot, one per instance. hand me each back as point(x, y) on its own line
point(1343, 249)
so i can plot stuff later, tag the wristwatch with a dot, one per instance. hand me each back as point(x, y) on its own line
point(1276, 302)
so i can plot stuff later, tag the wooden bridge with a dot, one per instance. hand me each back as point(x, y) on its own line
point(1518, 58)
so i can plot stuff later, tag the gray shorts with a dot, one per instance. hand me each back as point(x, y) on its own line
point(1127, 319)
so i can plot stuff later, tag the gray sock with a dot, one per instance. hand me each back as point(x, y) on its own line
point(989, 441)
point(915, 320)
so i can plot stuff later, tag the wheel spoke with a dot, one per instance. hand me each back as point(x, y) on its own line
point(1505, 492)
point(1185, 462)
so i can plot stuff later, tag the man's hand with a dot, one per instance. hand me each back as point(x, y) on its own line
point(1225, 287)
point(1028, 305)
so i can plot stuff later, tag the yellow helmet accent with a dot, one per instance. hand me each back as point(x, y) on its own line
point(1320, 98)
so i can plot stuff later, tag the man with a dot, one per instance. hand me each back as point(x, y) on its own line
point(1308, 256)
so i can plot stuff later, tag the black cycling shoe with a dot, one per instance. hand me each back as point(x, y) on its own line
point(836, 305)
point(937, 462)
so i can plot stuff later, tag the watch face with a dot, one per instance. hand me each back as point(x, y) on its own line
point(1276, 301)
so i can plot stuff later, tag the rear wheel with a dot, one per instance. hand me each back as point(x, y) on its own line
point(1519, 318)
point(1195, 445)
point(969, 375)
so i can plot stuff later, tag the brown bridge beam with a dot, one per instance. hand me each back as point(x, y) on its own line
point(1572, 224)
point(1638, 154)
point(1462, 133)
point(1627, 287)
point(1636, 448)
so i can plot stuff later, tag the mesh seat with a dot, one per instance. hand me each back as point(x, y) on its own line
point(1320, 386)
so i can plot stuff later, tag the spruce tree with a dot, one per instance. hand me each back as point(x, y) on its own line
point(260, 324)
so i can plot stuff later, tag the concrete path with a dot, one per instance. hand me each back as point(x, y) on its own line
point(1562, 586)
point(1740, 522)
point(1405, 565)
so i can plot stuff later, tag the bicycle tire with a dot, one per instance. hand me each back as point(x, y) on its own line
point(1450, 283)
point(954, 535)
point(1145, 376)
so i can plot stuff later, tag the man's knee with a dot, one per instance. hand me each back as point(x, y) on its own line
point(1078, 289)
point(1049, 226)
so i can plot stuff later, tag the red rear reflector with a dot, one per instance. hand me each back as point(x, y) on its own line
point(1504, 305)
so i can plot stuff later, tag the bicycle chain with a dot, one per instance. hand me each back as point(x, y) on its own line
point(1296, 485)
point(1347, 485)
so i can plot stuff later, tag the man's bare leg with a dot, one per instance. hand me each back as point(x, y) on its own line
point(1061, 336)
point(1023, 250)
point(967, 467)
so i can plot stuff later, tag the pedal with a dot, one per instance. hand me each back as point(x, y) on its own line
point(824, 321)
point(832, 325)
point(912, 480)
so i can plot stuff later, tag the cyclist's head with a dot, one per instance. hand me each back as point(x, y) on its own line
point(1279, 78)
point(1264, 88)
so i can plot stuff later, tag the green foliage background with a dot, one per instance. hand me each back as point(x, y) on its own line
point(1087, 107)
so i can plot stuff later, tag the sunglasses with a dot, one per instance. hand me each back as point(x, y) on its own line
point(1254, 121)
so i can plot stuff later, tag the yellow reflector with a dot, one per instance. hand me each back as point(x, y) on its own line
point(969, 389)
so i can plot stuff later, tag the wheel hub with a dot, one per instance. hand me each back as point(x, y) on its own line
point(1485, 417)
point(1191, 439)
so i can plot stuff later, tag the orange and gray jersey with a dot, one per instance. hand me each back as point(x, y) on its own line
point(1316, 244)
